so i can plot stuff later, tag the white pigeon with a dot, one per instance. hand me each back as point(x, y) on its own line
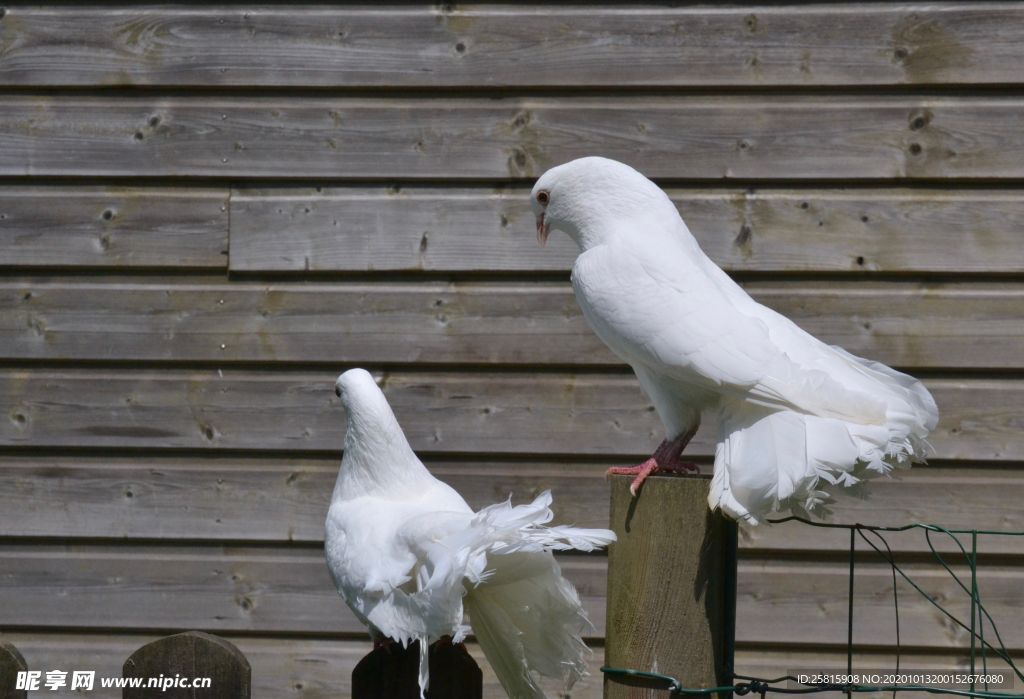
point(792, 411)
point(406, 553)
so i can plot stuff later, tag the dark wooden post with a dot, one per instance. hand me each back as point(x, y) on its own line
point(392, 672)
point(667, 587)
point(11, 663)
point(189, 655)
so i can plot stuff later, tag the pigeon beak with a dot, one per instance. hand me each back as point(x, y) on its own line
point(542, 231)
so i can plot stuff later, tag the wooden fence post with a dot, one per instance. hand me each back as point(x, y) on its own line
point(11, 663)
point(189, 655)
point(668, 602)
point(392, 672)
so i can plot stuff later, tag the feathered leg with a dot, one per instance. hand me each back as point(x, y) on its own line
point(665, 458)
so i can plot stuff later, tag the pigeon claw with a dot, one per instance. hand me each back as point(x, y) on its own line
point(647, 468)
point(641, 472)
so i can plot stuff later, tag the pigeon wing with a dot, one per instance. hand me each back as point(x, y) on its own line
point(659, 307)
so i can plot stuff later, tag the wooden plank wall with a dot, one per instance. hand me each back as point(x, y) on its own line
point(207, 212)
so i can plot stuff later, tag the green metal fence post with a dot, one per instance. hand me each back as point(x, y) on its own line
point(849, 627)
point(974, 597)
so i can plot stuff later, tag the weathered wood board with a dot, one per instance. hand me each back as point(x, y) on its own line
point(274, 500)
point(508, 45)
point(211, 588)
point(482, 230)
point(361, 229)
point(908, 325)
point(113, 227)
point(806, 602)
point(692, 137)
point(477, 413)
point(275, 590)
point(160, 498)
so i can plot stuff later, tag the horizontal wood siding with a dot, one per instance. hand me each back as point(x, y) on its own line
point(485, 229)
point(499, 46)
point(909, 325)
point(274, 591)
point(467, 413)
point(765, 230)
point(691, 137)
point(113, 227)
point(208, 212)
point(232, 499)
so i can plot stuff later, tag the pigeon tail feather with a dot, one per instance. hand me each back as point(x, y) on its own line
point(525, 614)
point(528, 619)
point(769, 460)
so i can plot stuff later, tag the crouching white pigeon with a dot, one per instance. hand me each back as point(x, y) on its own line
point(406, 553)
point(792, 411)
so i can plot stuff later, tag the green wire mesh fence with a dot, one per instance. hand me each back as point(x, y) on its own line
point(981, 649)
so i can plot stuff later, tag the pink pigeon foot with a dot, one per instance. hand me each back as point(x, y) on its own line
point(647, 468)
point(665, 458)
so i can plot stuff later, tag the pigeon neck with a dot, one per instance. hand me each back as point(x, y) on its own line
point(378, 459)
point(589, 234)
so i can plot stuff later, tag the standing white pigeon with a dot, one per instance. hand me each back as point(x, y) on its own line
point(406, 552)
point(792, 411)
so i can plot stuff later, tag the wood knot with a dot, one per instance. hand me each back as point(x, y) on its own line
point(743, 238)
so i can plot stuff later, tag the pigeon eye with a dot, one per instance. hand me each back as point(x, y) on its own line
point(543, 198)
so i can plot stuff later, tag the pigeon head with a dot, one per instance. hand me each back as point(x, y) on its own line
point(377, 454)
point(587, 197)
point(354, 387)
point(371, 423)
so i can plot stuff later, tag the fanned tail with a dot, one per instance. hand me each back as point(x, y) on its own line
point(528, 619)
point(769, 460)
point(502, 529)
point(521, 528)
point(526, 616)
